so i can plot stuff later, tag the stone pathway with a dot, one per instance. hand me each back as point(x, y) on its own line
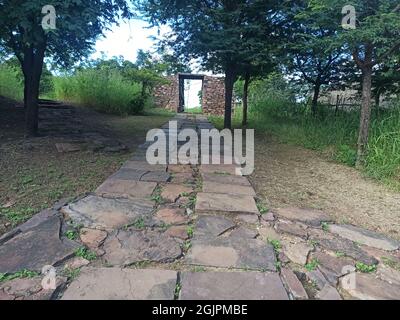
point(192, 232)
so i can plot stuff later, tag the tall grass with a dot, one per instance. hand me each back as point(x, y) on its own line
point(10, 83)
point(106, 91)
point(275, 111)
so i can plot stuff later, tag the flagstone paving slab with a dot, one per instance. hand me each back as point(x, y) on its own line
point(293, 284)
point(337, 265)
point(144, 165)
point(232, 252)
point(328, 293)
point(226, 179)
point(221, 169)
point(172, 216)
point(368, 287)
point(308, 216)
point(126, 247)
point(365, 237)
point(122, 284)
point(29, 289)
point(215, 187)
point(104, 213)
point(232, 286)
point(129, 174)
point(126, 189)
point(233, 204)
point(35, 248)
point(297, 252)
point(293, 228)
point(212, 226)
point(171, 192)
point(156, 176)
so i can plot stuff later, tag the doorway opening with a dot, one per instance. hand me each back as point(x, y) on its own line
point(190, 93)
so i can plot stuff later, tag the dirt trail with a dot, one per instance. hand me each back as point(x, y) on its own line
point(287, 176)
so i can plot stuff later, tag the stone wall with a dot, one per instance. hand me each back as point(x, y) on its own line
point(167, 95)
point(213, 101)
point(213, 95)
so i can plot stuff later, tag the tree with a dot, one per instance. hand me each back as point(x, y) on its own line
point(374, 40)
point(220, 34)
point(78, 25)
point(307, 57)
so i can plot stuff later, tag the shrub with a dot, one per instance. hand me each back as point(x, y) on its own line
point(11, 85)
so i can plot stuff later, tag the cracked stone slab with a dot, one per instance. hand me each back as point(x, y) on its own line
point(368, 287)
point(212, 226)
point(292, 228)
point(35, 248)
point(293, 284)
point(232, 286)
point(129, 174)
point(103, 213)
point(126, 247)
point(156, 176)
point(308, 216)
point(226, 179)
point(297, 252)
point(29, 289)
point(172, 192)
point(232, 252)
point(217, 203)
point(126, 189)
point(144, 166)
point(339, 266)
point(342, 245)
point(122, 284)
point(365, 237)
point(215, 187)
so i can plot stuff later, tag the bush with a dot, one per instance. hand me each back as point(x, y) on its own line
point(106, 91)
point(11, 85)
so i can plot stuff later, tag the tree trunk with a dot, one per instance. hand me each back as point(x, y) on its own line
point(314, 104)
point(32, 69)
point(365, 115)
point(245, 98)
point(230, 78)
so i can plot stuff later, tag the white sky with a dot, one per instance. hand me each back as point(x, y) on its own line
point(127, 38)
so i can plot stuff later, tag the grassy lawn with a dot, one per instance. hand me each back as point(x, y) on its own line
point(34, 176)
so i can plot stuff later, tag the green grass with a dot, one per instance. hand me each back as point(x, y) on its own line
point(85, 253)
point(18, 275)
point(364, 268)
point(334, 135)
point(312, 265)
point(103, 90)
point(197, 110)
point(10, 84)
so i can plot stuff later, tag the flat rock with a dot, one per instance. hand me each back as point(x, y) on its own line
point(92, 238)
point(212, 226)
point(388, 274)
point(215, 187)
point(130, 246)
point(228, 252)
point(179, 168)
point(122, 284)
point(172, 216)
point(293, 228)
point(179, 232)
point(182, 178)
point(296, 252)
point(293, 284)
point(129, 174)
point(268, 233)
point(365, 237)
point(144, 166)
point(248, 218)
point(368, 287)
point(317, 277)
point(328, 293)
point(76, 263)
point(268, 217)
point(28, 289)
point(171, 192)
point(338, 265)
point(232, 286)
point(103, 213)
point(217, 203)
point(308, 216)
point(156, 176)
point(126, 189)
point(35, 248)
point(226, 179)
point(243, 232)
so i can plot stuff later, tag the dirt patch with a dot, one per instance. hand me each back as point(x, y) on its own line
point(287, 176)
point(34, 175)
